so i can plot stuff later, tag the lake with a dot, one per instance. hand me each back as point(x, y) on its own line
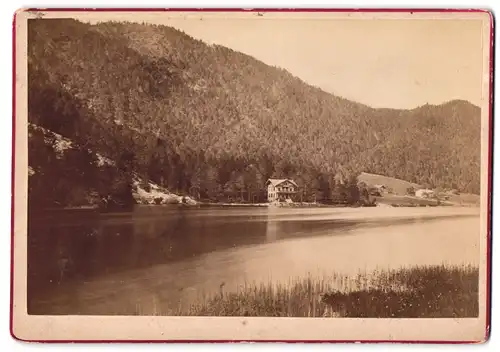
point(82, 262)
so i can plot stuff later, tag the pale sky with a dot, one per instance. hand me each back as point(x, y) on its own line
point(382, 63)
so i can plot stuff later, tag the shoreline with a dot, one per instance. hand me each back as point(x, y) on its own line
point(254, 205)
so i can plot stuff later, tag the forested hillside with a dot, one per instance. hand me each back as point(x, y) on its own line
point(208, 121)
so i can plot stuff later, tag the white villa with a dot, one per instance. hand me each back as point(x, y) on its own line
point(281, 190)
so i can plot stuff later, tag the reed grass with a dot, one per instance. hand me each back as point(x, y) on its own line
point(423, 291)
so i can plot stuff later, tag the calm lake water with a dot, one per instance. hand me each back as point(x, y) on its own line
point(81, 262)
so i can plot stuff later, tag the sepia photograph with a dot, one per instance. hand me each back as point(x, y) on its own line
point(252, 175)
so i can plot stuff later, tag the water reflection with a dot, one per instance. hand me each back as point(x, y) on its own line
point(87, 246)
point(272, 231)
point(167, 256)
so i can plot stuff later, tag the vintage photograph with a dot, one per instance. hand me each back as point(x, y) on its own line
point(252, 164)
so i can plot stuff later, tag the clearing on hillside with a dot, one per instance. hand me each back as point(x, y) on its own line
point(398, 186)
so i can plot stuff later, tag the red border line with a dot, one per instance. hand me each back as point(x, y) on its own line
point(13, 177)
point(489, 252)
point(370, 10)
point(255, 9)
point(426, 342)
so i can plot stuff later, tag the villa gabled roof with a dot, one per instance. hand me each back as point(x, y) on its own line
point(278, 181)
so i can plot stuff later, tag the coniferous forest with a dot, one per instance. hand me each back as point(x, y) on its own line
point(202, 119)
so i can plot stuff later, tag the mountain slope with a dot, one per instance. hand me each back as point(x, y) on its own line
point(193, 116)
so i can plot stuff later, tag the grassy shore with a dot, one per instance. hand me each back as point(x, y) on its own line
point(426, 291)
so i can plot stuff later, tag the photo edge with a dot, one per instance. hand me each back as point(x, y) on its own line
point(23, 14)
